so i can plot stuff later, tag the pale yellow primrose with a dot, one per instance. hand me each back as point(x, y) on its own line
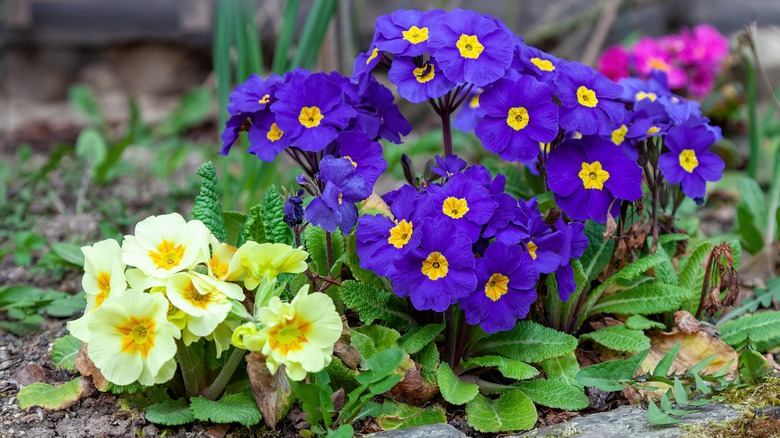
point(299, 335)
point(132, 340)
point(167, 244)
point(204, 299)
point(253, 261)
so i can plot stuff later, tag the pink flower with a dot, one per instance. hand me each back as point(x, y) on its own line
point(705, 46)
point(614, 63)
point(649, 55)
point(701, 81)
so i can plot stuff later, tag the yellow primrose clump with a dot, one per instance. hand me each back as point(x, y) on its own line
point(132, 340)
point(204, 299)
point(257, 260)
point(299, 335)
point(167, 244)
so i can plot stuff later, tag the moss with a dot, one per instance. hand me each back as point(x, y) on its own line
point(569, 430)
point(758, 397)
point(749, 425)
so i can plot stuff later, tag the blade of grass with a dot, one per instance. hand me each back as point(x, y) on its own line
point(313, 33)
point(754, 135)
point(285, 38)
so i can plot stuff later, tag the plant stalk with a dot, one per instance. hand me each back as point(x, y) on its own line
point(446, 131)
point(218, 386)
point(193, 378)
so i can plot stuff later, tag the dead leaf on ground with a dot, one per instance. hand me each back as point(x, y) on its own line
point(88, 369)
point(271, 391)
point(413, 389)
point(695, 348)
point(686, 322)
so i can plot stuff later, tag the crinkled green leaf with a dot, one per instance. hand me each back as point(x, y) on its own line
point(353, 260)
point(274, 226)
point(372, 303)
point(639, 322)
point(665, 271)
point(371, 339)
point(417, 338)
point(170, 413)
point(208, 208)
point(64, 351)
point(512, 411)
point(509, 368)
point(598, 252)
point(692, 270)
point(609, 376)
point(253, 226)
point(452, 388)
point(231, 408)
point(563, 367)
point(316, 245)
point(644, 299)
point(760, 327)
point(400, 415)
point(52, 397)
point(555, 393)
point(234, 227)
point(429, 359)
point(527, 342)
point(619, 338)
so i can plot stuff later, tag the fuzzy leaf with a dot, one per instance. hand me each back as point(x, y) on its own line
point(598, 252)
point(665, 271)
point(453, 389)
point(608, 376)
point(360, 274)
point(208, 208)
point(555, 393)
point(428, 357)
point(527, 342)
point(417, 338)
point(170, 413)
point(619, 338)
point(760, 327)
point(316, 245)
point(692, 270)
point(645, 299)
point(400, 415)
point(639, 322)
point(234, 227)
point(372, 303)
point(509, 368)
point(563, 367)
point(53, 397)
point(512, 411)
point(253, 226)
point(635, 269)
point(64, 351)
point(274, 226)
point(231, 408)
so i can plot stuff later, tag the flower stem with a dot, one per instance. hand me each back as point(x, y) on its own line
point(451, 334)
point(446, 131)
point(215, 389)
point(193, 378)
point(329, 247)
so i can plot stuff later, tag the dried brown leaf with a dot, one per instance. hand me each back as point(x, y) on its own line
point(271, 391)
point(686, 323)
point(88, 369)
point(413, 389)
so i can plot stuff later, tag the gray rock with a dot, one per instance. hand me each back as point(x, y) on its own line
point(631, 421)
point(432, 431)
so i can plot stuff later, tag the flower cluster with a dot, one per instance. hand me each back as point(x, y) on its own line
point(305, 111)
point(465, 241)
point(691, 59)
point(171, 280)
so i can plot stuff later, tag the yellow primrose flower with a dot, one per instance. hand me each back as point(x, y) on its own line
point(255, 260)
point(140, 281)
point(299, 335)
point(205, 300)
point(132, 340)
point(221, 256)
point(104, 272)
point(167, 244)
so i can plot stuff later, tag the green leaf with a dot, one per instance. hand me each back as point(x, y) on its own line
point(619, 338)
point(656, 416)
point(91, 147)
point(341, 375)
point(665, 271)
point(316, 245)
point(691, 271)
point(370, 339)
point(52, 397)
point(752, 237)
point(512, 411)
point(69, 252)
point(680, 397)
point(598, 252)
point(760, 327)
point(231, 408)
point(645, 299)
point(637, 268)
point(207, 207)
point(253, 227)
point(344, 431)
point(360, 274)
point(555, 393)
point(192, 110)
point(274, 226)
point(609, 376)
point(417, 338)
point(84, 101)
point(170, 413)
point(563, 367)
point(64, 351)
point(400, 416)
point(234, 227)
point(754, 201)
point(372, 303)
point(429, 359)
point(509, 368)
point(453, 389)
point(64, 305)
point(665, 364)
point(639, 322)
point(527, 342)
point(381, 365)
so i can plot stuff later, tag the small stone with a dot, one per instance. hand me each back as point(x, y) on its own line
point(433, 430)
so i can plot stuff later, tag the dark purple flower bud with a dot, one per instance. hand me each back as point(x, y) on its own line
point(293, 210)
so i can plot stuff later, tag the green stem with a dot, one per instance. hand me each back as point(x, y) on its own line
point(750, 92)
point(218, 386)
point(193, 378)
point(451, 334)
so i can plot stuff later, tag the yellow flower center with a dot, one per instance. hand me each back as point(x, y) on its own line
point(200, 300)
point(619, 135)
point(593, 175)
point(652, 130)
point(531, 249)
point(274, 133)
point(642, 95)
point(99, 298)
point(374, 54)
point(496, 286)
point(659, 64)
point(416, 35)
point(688, 160)
point(517, 118)
point(474, 102)
point(586, 97)
point(138, 336)
point(469, 46)
point(265, 99)
point(289, 335)
point(354, 164)
point(455, 207)
point(218, 269)
point(104, 282)
point(310, 116)
point(167, 256)
point(542, 64)
point(400, 234)
point(424, 74)
point(435, 266)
